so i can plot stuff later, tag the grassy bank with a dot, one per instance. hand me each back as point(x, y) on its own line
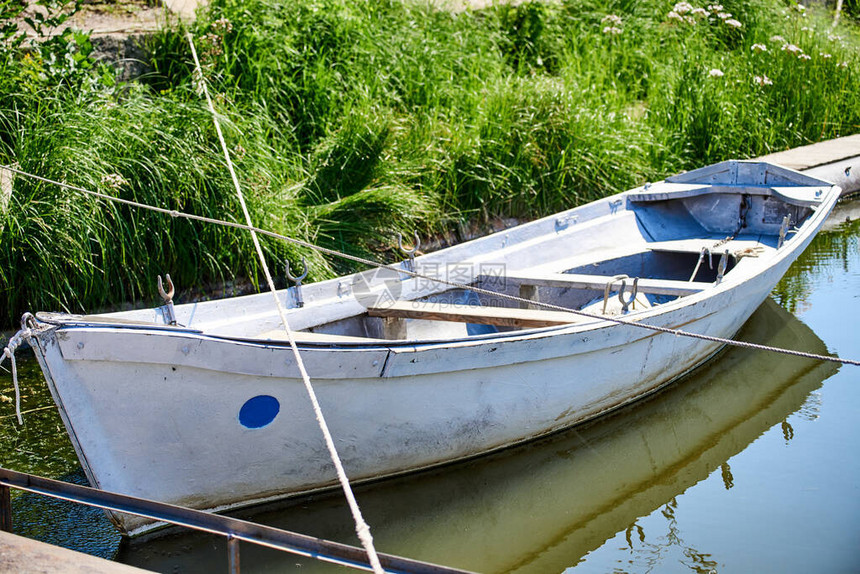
point(352, 120)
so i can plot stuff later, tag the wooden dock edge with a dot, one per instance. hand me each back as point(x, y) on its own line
point(837, 161)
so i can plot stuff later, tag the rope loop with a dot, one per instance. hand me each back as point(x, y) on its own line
point(9, 351)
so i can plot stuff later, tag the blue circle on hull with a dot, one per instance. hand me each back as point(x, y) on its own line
point(259, 411)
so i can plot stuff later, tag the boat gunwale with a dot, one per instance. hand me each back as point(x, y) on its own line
point(594, 323)
point(798, 241)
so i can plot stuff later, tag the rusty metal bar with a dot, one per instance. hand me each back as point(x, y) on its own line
point(5, 508)
point(232, 528)
point(233, 554)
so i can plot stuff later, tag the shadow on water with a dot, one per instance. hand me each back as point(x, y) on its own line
point(66, 524)
point(543, 506)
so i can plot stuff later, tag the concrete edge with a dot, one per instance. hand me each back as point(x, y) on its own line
point(27, 556)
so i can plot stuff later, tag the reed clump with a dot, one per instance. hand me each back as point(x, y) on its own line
point(350, 121)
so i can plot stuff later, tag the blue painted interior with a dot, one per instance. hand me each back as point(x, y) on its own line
point(259, 411)
point(471, 298)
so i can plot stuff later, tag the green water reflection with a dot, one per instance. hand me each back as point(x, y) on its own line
point(41, 446)
point(724, 472)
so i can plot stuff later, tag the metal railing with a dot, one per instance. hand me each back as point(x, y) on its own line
point(233, 529)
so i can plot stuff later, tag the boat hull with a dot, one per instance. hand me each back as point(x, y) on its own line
point(168, 428)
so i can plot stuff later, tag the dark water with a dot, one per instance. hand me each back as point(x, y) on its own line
point(750, 465)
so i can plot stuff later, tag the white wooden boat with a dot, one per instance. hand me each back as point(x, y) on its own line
point(412, 373)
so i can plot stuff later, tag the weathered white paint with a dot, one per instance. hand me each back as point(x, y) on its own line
point(153, 410)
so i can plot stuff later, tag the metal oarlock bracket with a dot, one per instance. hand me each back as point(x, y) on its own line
point(410, 265)
point(721, 266)
point(300, 302)
point(625, 303)
point(612, 281)
point(5, 508)
point(784, 230)
point(169, 313)
point(634, 290)
point(705, 251)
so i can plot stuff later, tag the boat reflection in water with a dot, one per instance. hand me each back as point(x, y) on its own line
point(543, 506)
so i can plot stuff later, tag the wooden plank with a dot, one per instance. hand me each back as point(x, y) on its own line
point(598, 283)
point(802, 158)
point(530, 292)
point(499, 316)
point(696, 245)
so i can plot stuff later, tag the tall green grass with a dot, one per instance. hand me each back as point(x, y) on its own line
point(352, 120)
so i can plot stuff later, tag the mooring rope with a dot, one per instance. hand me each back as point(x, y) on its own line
point(362, 529)
point(9, 351)
point(417, 275)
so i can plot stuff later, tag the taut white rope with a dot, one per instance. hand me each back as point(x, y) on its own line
point(361, 527)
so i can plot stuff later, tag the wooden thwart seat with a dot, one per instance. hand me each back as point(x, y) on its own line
point(526, 318)
point(696, 245)
point(598, 283)
point(499, 316)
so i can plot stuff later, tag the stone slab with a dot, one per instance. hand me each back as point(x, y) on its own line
point(25, 556)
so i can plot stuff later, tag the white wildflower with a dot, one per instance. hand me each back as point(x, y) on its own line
point(612, 19)
point(792, 48)
point(724, 15)
point(733, 23)
point(683, 7)
point(825, 55)
point(239, 152)
point(778, 39)
point(801, 8)
point(715, 8)
point(716, 73)
point(674, 16)
point(807, 29)
point(762, 81)
point(804, 57)
point(611, 30)
point(114, 180)
point(222, 26)
point(843, 64)
point(758, 48)
point(700, 12)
